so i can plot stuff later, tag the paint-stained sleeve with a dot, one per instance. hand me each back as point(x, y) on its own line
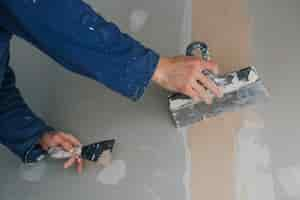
point(72, 33)
point(20, 128)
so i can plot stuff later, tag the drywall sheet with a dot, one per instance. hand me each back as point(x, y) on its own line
point(224, 25)
point(277, 46)
point(212, 148)
point(267, 142)
point(149, 157)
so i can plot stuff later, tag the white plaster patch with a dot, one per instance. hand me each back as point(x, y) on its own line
point(32, 172)
point(105, 159)
point(289, 179)
point(188, 164)
point(137, 20)
point(158, 173)
point(254, 180)
point(112, 174)
point(154, 195)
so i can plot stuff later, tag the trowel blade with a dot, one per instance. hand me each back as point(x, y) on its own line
point(188, 112)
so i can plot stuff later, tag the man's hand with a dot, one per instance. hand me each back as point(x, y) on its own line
point(183, 74)
point(65, 141)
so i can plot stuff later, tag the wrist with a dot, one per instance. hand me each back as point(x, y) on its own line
point(158, 74)
point(44, 140)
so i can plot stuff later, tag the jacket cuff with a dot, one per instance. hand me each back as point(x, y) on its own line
point(35, 153)
point(141, 75)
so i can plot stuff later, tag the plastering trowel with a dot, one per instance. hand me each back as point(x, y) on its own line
point(92, 152)
point(241, 88)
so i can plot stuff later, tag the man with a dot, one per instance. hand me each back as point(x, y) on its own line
point(76, 37)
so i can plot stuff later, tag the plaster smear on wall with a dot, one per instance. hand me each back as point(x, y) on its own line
point(289, 180)
point(112, 174)
point(254, 179)
point(137, 20)
point(188, 164)
point(32, 172)
point(154, 195)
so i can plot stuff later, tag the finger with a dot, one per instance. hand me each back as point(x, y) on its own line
point(192, 93)
point(202, 64)
point(71, 139)
point(66, 145)
point(202, 93)
point(70, 162)
point(79, 165)
point(209, 84)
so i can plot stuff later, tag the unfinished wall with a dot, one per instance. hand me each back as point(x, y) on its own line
point(149, 157)
point(258, 150)
point(224, 26)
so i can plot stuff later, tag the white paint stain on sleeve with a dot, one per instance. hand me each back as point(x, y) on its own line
point(32, 172)
point(289, 180)
point(137, 20)
point(112, 174)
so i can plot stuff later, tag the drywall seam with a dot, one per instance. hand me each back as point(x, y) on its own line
point(188, 166)
point(186, 34)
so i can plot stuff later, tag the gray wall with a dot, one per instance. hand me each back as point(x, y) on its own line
point(276, 45)
point(150, 153)
point(149, 146)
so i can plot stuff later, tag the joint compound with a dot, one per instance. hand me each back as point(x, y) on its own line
point(112, 174)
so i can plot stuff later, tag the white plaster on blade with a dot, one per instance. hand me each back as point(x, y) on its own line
point(237, 84)
point(32, 172)
point(254, 180)
point(188, 164)
point(289, 180)
point(112, 174)
point(137, 20)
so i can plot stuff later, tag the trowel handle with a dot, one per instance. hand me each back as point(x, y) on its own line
point(201, 48)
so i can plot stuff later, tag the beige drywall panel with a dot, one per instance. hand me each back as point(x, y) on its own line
point(212, 146)
point(224, 25)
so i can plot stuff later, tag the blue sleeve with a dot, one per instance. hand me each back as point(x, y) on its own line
point(20, 128)
point(73, 34)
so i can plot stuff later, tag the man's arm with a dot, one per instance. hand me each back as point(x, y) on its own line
point(83, 42)
point(20, 128)
point(22, 131)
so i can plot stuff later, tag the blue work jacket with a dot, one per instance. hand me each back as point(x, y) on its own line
point(82, 41)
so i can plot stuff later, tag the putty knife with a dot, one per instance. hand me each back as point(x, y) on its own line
point(241, 88)
point(91, 152)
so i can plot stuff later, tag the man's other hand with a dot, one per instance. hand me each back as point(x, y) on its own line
point(66, 141)
point(183, 74)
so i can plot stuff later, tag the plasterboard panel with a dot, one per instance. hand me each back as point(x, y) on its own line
point(224, 26)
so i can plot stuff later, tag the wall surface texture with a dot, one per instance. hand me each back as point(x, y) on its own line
point(249, 155)
point(149, 157)
point(225, 27)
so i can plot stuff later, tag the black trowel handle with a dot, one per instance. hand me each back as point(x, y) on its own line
point(202, 49)
point(196, 49)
